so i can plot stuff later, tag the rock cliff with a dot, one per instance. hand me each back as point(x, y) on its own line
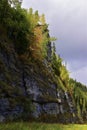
point(29, 89)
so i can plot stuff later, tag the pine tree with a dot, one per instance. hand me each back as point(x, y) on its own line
point(42, 19)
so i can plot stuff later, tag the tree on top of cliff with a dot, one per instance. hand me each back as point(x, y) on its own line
point(15, 3)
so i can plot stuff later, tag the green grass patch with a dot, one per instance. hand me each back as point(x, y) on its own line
point(41, 126)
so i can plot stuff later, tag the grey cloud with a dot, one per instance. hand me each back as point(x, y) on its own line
point(80, 75)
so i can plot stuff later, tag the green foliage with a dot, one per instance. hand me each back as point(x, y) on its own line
point(4, 10)
point(36, 17)
point(80, 98)
point(16, 23)
point(31, 19)
point(58, 67)
point(53, 38)
point(40, 126)
point(42, 19)
point(21, 24)
point(45, 41)
point(60, 70)
point(56, 61)
point(61, 85)
point(64, 74)
point(79, 94)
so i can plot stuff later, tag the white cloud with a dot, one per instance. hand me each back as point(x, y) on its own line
point(80, 75)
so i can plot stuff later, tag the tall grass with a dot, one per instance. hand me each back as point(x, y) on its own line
point(41, 126)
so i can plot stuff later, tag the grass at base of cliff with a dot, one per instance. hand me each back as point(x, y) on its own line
point(41, 126)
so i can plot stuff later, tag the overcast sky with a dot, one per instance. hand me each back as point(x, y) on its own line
point(67, 21)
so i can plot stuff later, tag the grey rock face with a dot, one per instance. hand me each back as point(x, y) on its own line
point(19, 81)
point(4, 105)
point(2, 118)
